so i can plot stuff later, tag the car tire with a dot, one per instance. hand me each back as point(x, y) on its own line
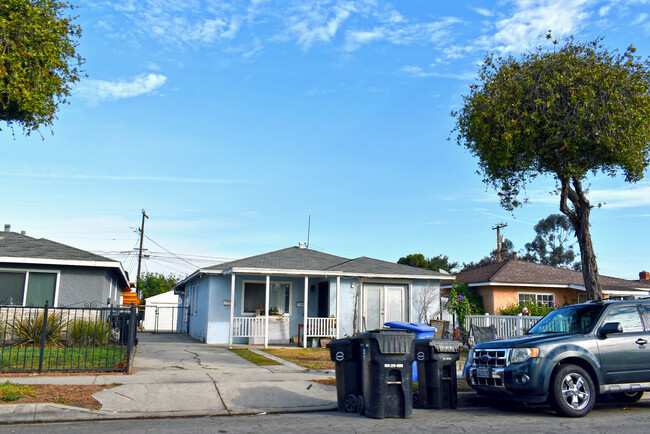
point(572, 391)
point(628, 397)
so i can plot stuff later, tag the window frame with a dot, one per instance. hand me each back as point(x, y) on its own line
point(263, 282)
point(536, 294)
point(27, 271)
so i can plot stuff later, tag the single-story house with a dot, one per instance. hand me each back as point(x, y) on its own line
point(270, 298)
point(33, 271)
point(162, 313)
point(517, 281)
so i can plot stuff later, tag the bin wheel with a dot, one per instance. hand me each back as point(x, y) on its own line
point(350, 403)
point(417, 400)
point(361, 406)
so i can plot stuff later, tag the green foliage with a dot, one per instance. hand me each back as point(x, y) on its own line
point(529, 309)
point(156, 283)
point(464, 301)
point(435, 263)
point(29, 330)
point(575, 109)
point(552, 245)
point(38, 60)
point(13, 392)
point(85, 333)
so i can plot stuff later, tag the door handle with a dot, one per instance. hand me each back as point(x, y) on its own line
point(641, 341)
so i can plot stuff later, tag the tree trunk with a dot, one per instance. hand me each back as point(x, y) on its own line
point(578, 215)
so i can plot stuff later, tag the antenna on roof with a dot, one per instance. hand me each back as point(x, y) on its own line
point(309, 230)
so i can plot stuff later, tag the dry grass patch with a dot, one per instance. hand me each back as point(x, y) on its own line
point(76, 396)
point(253, 357)
point(311, 358)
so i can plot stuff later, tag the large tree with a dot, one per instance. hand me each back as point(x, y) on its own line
point(575, 109)
point(553, 244)
point(435, 263)
point(38, 61)
point(156, 283)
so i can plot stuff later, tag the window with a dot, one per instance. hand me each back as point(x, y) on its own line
point(628, 316)
point(539, 298)
point(582, 297)
point(28, 288)
point(255, 296)
point(195, 299)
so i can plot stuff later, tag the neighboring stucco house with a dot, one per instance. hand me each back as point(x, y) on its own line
point(517, 281)
point(33, 271)
point(268, 298)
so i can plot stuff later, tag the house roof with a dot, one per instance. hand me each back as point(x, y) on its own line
point(518, 272)
point(301, 261)
point(17, 248)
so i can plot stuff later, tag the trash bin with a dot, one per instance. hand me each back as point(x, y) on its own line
point(386, 383)
point(345, 355)
point(436, 359)
point(421, 330)
point(121, 322)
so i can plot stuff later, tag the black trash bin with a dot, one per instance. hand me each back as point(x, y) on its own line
point(436, 359)
point(121, 321)
point(345, 355)
point(387, 376)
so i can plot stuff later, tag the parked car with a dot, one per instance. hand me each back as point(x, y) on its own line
point(571, 356)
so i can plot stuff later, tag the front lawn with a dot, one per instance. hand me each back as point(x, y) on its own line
point(13, 359)
point(310, 358)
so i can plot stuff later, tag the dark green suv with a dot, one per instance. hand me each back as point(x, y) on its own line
point(569, 357)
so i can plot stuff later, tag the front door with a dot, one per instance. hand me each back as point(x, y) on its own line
point(323, 299)
point(383, 303)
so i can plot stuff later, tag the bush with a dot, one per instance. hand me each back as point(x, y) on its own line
point(529, 309)
point(85, 332)
point(464, 301)
point(29, 330)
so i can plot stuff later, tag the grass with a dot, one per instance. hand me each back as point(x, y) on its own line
point(310, 358)
point(13, 392)
point(60, 359)
point(253, 357)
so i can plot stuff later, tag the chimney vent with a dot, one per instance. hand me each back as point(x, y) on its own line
point(301, 245)
point(7, 227)
point(23, 232)
point(644, 275)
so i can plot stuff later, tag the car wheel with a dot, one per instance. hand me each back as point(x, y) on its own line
point(627, 396)
point(572, 391)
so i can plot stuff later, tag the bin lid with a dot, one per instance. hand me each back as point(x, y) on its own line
point(339, 342)
point(415, 326)
point(441, 345)
point(391, 341)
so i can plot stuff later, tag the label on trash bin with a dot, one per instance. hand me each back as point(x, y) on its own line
point(340, 356)
point(420, 356)
point(393, 365)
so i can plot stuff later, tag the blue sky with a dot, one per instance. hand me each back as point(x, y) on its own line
point(231, 122)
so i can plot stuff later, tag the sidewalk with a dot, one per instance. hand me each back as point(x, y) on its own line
point(176, 376)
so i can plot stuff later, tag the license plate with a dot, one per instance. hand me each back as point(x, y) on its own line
point(483, 372)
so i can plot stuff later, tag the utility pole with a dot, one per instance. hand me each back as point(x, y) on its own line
point(137, 278)
point(498, 227)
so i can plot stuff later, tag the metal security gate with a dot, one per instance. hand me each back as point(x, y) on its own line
point(164, 318)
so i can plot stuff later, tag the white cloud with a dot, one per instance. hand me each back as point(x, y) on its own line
point(483, 11)
point(418, 72)
point(531, 19)
point(314, 22)
point(95, 91)
point(100, 177)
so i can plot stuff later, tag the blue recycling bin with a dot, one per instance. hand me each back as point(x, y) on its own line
point(421, 330)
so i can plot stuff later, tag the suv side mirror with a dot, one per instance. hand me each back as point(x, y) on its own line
point(610, 328)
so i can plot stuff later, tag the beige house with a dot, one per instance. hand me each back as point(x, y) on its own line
point(517, 281)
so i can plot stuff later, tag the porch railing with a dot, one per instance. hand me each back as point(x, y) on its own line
point(507, 325)
point(321, 328)
point(248, 327)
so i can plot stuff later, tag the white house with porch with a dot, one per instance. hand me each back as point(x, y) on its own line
point(269, 298)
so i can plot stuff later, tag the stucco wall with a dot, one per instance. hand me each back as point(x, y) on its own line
point(496, 297)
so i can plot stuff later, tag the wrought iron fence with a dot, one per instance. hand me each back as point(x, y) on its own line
point(73, 339)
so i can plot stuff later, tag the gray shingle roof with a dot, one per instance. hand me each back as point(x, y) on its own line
point(14, 245)
point(296, 258)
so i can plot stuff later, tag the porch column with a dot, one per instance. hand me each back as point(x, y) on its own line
point(266, 312)
point(232, 308)
point(304, 323)
point(338, 307)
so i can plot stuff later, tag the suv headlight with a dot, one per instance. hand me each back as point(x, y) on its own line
point(520, 355)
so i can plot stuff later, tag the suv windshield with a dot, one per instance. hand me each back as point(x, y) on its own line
point(579, 319)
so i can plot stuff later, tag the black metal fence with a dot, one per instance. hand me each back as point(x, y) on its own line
point(59, 339)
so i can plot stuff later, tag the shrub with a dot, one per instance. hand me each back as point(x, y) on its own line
point(83, 332)
point(530, 308)
point(29, 330)
point(464, 301)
